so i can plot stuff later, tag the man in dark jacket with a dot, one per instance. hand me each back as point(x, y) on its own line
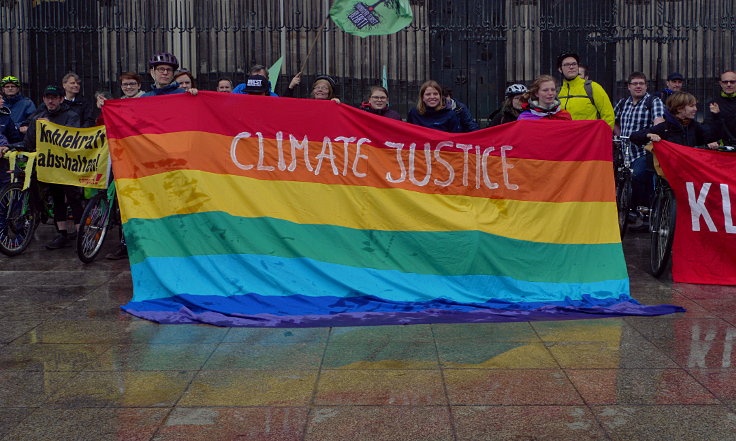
point(57, 111)
point(726, 101)
point(72, 85)
point(674, 83)
point(21, 107)
point(162, 67)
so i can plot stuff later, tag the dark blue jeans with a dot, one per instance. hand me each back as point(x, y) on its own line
point(642, 181)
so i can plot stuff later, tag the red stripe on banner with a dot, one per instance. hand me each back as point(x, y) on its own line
point(317, 119)
point(704, 250)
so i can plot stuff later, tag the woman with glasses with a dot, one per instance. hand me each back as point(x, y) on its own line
point(431, 110)
point(323, 88)
point(377, 103)
point(130, 84)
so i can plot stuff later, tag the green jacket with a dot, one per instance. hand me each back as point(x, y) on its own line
point(574, 98)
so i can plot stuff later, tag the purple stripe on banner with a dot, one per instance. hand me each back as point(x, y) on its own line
point(184, 315)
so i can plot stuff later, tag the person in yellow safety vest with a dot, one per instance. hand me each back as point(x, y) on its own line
point(584, 99)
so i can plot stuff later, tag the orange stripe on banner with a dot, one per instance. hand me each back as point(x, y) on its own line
point(481, 172)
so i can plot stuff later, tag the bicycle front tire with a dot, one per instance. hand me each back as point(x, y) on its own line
point(18, 219)
point(662, 231)
point(93, 227)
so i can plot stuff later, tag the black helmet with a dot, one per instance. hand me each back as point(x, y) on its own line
point(567, 54)
point(327, 78)
point(163, 58)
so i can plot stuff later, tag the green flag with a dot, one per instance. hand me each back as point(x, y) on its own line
point(274, 71)
point(375, 17)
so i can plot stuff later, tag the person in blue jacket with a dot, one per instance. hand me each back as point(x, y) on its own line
point(21, 107)
point(8, 134)
point(467, 122)
point(256, 69)
point(162, 67)
point(432, 111)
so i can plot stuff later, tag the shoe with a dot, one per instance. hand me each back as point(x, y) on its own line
point(121, 252)
point(643, 227)
point(59, 241)
point(636, 221)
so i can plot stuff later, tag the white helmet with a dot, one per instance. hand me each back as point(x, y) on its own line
point(515, 89)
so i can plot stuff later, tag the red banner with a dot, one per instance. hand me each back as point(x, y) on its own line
point(704, 184)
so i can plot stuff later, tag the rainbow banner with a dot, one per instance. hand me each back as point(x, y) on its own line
point(259, 211)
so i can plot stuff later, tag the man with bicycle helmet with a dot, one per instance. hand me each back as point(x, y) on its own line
point(21, 107)
point(162, 67)
point(584, 99)
point(511, 107)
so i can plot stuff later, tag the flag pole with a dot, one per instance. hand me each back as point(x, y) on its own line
point(314, 43)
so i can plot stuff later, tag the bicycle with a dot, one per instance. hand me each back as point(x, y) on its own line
point(661, 226)
point(662, 221)
point(622, 175)
point(22, 205)
point(100, 214)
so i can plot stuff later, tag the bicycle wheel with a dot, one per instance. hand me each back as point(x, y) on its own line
point(623, 201)
point(662, 231)
point(18, 219)
point(93, 227)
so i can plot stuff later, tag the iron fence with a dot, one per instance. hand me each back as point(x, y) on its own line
point(474, 47)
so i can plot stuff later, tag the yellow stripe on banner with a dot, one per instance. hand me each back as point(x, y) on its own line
point(191, 191)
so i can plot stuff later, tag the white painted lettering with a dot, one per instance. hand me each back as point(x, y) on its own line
point(304, 145)
point(466, 149)
point(412, 161)
point(358, 156)
point(505, 166)
point(450, 170)
point(234, 149)
point(326, 146)
point(727, 217)
point(484, 160)
point(398, 146)
point(697, 206)
point(346, 143)
point(261, 154)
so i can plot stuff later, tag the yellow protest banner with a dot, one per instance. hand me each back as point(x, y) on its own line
point(72, 156)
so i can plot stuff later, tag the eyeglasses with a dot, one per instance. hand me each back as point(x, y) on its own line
point(164, 69)
point(641, 83)
point(728, 81)
point(129, 84)
point(321, 88)
point(376, 97)
point(573, 64)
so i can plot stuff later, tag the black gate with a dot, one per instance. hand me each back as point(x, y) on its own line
point(474, 47)
point(468, 51)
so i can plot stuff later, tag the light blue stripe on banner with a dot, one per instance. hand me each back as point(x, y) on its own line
point(239, 274)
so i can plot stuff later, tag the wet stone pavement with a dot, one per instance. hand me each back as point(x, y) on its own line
point(74, 367)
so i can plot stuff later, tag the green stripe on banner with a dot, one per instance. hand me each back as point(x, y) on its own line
point(438, 253)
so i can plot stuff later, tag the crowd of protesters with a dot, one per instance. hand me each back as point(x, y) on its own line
point(638, 118)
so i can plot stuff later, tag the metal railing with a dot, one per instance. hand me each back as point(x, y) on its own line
point(474, 47)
